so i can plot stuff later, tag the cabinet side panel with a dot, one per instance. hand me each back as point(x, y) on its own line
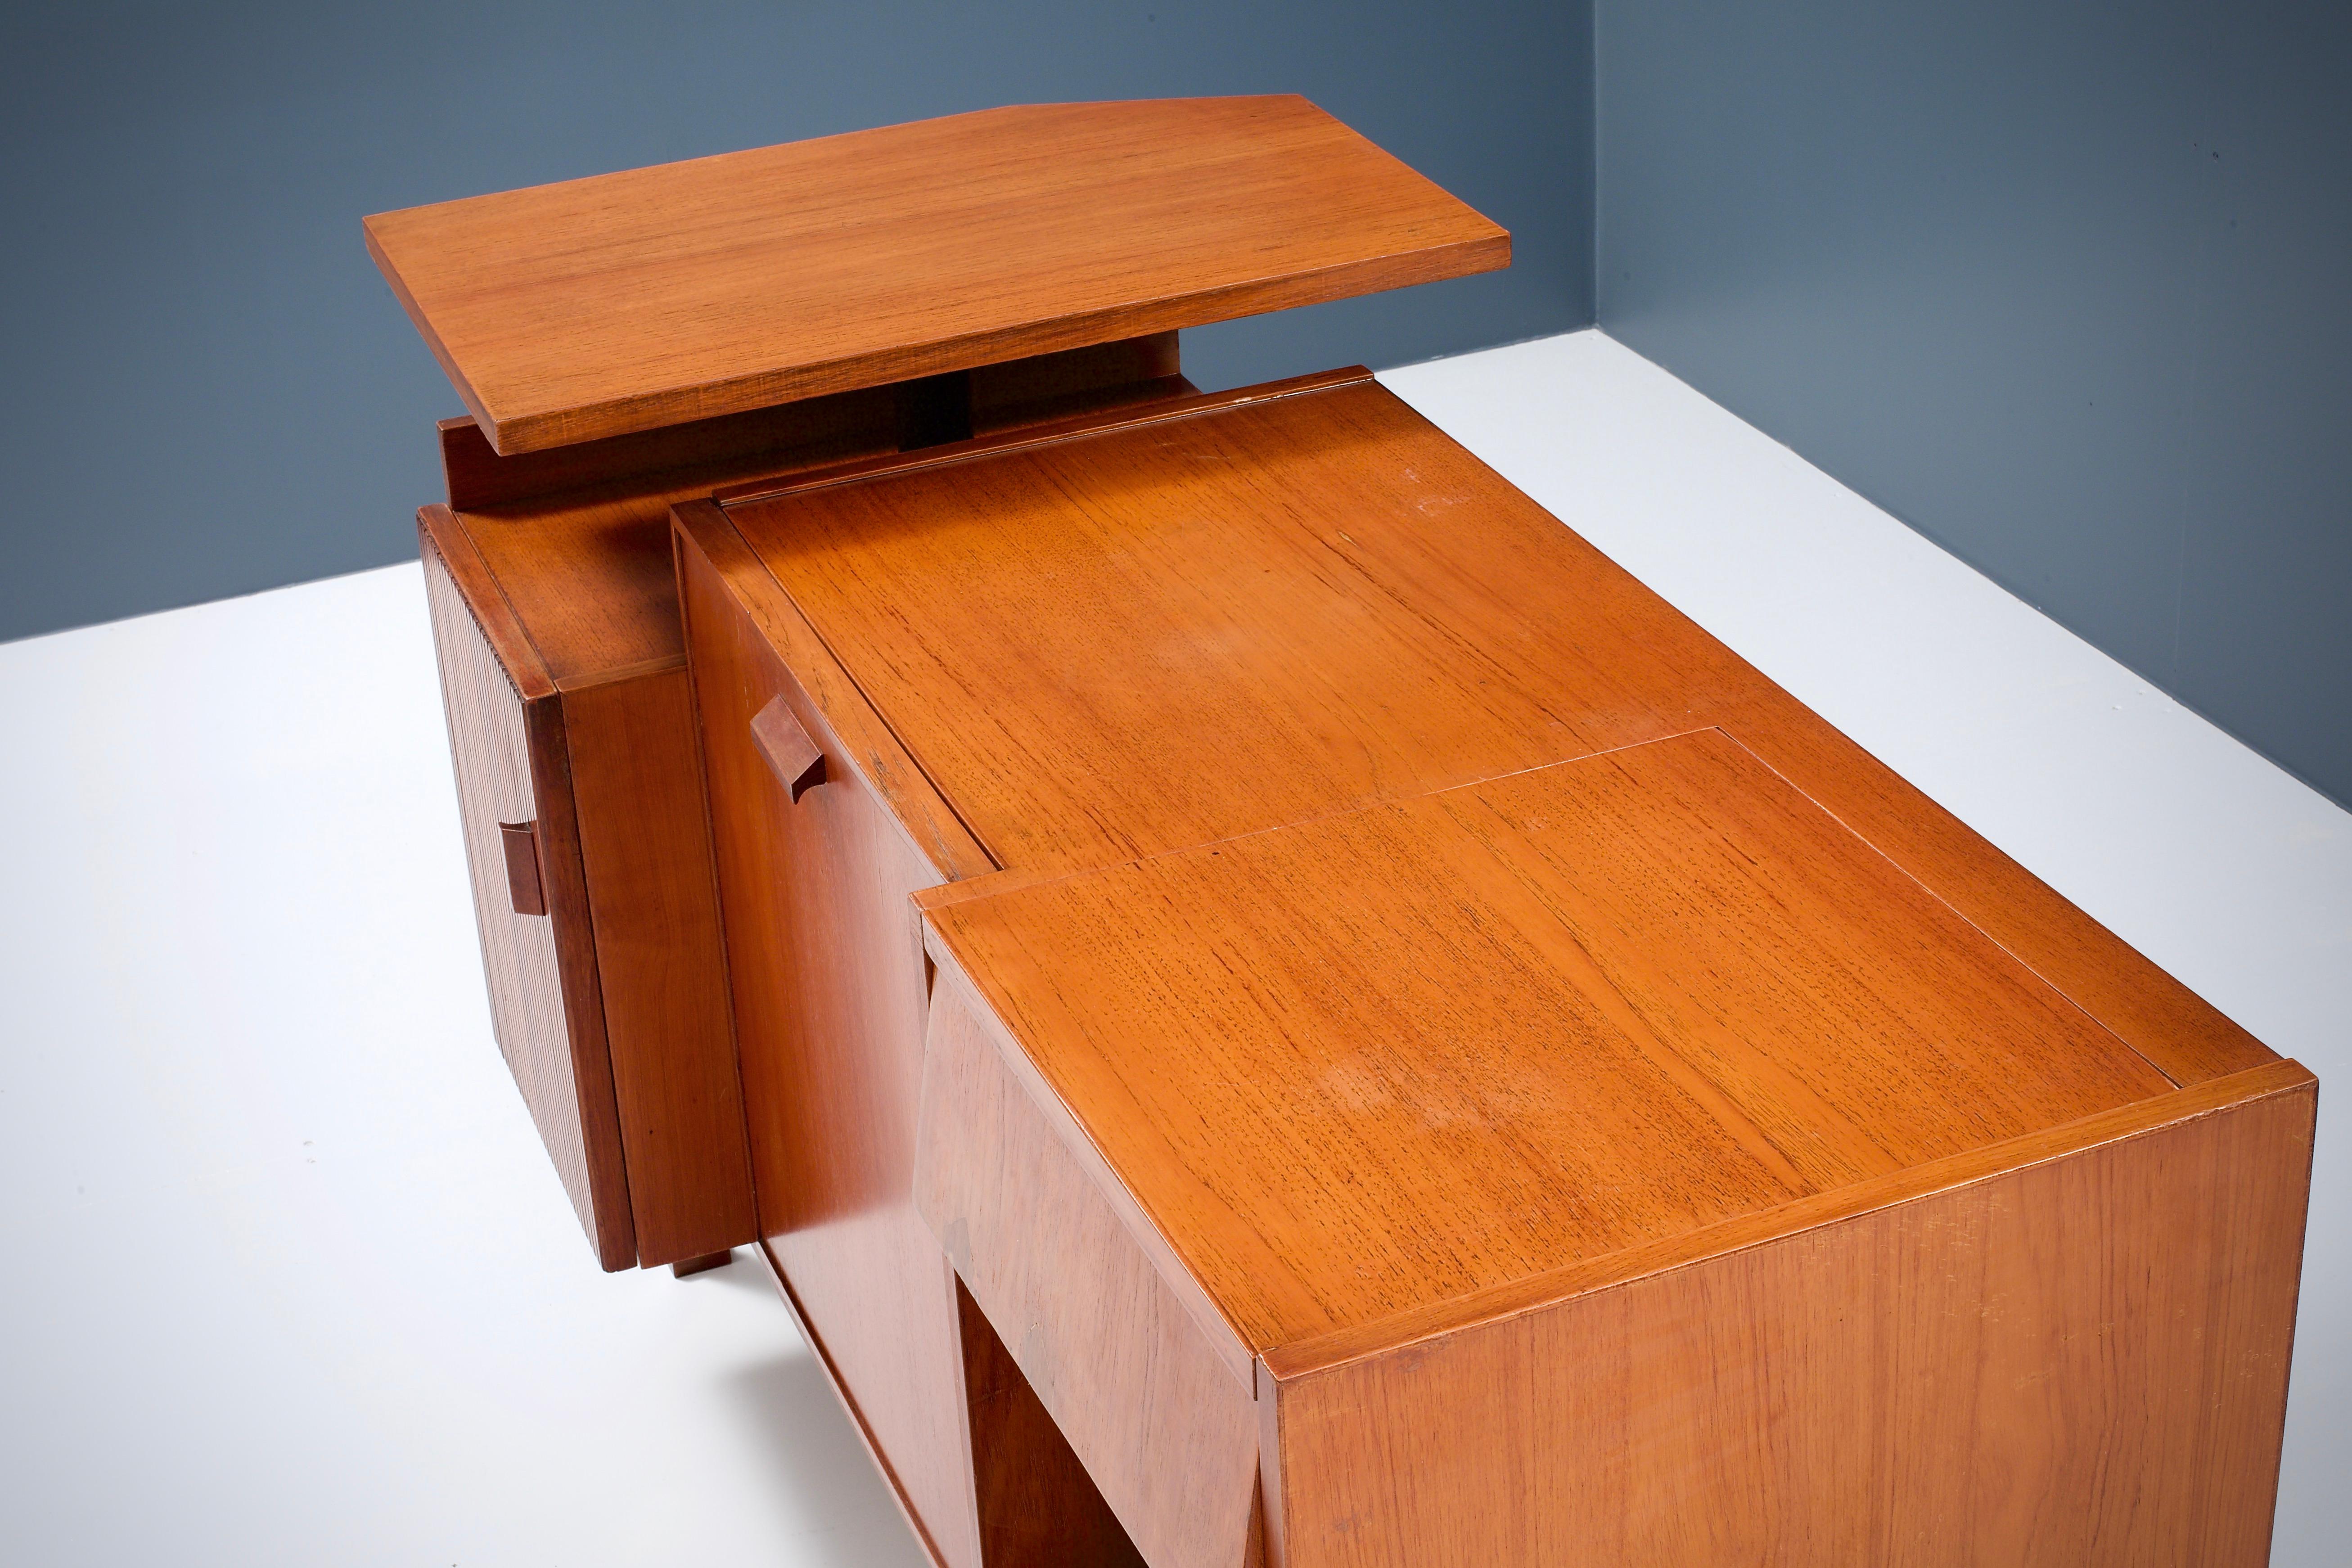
point(489, 743)
point(636, 780)
point(2081, 1362)
point(827, 977)
point(1151, 1411)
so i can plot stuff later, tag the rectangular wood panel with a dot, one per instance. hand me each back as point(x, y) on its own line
point(549, 1024)
point(637, 773)
point(827, 976)
point(1162, 1425)
point(628, 302)
point(2081, 1364)
point(1082, 638)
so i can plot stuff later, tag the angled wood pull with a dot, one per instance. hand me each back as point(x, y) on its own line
point(795, 759)
point(524, 889)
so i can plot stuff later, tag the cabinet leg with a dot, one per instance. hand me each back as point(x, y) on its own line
point(708, 1260)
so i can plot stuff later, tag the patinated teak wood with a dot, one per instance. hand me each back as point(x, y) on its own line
point(1275, 1006)
point(630, 301)
point(1368, 931)
point(1620, 1162)
point(1274, 603)
point(562, 560)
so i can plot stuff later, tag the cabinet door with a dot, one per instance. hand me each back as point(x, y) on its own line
point(661, 968)
point(828, 976)
point(514, 797)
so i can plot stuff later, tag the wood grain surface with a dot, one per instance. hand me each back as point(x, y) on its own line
point(1264, 607)
point(586, 566)
point(1081, 639)
point(1168, 1434)
point(858, 742)
point(1395, 928)
point(827, 973)
point(506, 742)
point(628, 302)
point(849, 1407)
point(1864, 1245)
point(2078, 1357)
point(645, 844)
point(569, 552)
point(1360, 1065)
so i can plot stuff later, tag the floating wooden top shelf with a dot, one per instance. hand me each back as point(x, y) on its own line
point(629, 301)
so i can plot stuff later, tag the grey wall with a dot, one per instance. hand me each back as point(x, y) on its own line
point(2066, 287)
point(209, 391)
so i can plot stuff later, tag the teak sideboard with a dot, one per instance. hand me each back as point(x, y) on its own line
point(1263, 1002)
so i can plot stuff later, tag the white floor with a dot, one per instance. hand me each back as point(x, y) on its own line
point(286, 1279)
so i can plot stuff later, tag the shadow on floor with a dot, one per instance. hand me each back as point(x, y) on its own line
point(824, 1476)
point(745, 1273)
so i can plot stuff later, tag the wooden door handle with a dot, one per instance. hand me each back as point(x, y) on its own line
point(524, 889)
point(795, 759)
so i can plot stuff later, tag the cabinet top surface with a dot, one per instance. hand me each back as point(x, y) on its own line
point(1197, 626)
point(1354, 1067)
point(632, 301)
point(1270, 606)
